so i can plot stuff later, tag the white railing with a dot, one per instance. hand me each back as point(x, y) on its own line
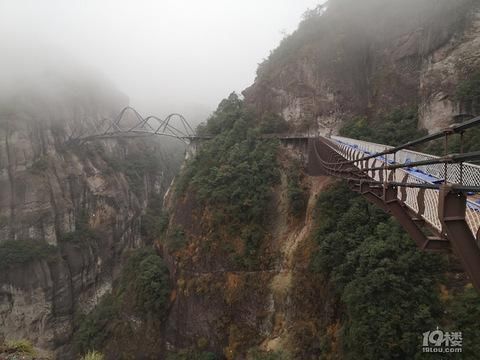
point(471, 172)
point(352, 149)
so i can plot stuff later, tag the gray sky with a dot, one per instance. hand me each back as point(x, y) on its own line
point(162, 53)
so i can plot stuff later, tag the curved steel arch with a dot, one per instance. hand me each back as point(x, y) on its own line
point(143, 127)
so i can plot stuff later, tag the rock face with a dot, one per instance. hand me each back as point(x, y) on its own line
point(74, 196)
point(348, 60)
point(456, 60)
point(219, 306)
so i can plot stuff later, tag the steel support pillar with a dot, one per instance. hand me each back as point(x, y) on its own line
point(451, 211)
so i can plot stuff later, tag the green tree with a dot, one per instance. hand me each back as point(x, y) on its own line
point(394, 128)
point(387, 286)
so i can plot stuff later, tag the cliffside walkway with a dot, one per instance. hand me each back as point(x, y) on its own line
point(436, 199)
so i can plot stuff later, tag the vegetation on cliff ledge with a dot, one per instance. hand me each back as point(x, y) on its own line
point(142, 293)
point(394, 128)
point(21, 252)
point(233, 174)
point(468, 93)
point(389, 289)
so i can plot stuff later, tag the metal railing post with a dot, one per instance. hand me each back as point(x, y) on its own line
point(445, 153)
point(461, 163)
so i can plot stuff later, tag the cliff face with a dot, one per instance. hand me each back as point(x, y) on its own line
point(84, 200)
point(348, 60)
point(456, 60)
point(233, 309)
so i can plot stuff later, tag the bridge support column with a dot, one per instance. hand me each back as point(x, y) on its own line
point(451, 211)
point(385, 197)
point(395, 207)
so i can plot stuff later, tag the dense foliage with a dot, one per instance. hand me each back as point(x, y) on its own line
point(233, 174)
point(395, 128)
point(385, 283)
point(155, 220)
point(18, 349)
point(21, 252)
point(146, 277)
point(235, 170)
point(462, 314)
point(93, 355)
point(143, 290)
point(468, 94)
point(257, 354)
point(95, 328)
point(176, 238)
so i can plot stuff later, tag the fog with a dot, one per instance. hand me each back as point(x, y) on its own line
point(165, 55)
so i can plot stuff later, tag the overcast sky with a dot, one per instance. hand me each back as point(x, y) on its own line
point(164, 53)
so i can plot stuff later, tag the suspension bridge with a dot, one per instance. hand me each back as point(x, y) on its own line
point(436, 199)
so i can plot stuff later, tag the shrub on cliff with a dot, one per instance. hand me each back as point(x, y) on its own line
point(271, 123)
point(95, 328)
point(20, 252)
point(155, 220)
point(93, 355)
point(145, 280)
point(18, 349)
point(176, 238)
point(468, 93)
point(143, 291)
point(257, 354)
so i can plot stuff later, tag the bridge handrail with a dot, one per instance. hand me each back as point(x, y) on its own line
point(410, 195)
point(471, 172)
point(452, 129)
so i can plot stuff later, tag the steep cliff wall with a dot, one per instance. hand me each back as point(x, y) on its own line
point(80, 205)
point(237, 295)
point(445, 68)
point(351, 59)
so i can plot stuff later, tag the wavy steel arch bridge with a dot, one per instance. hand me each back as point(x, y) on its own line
point(129, 123)
point(435, 199)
